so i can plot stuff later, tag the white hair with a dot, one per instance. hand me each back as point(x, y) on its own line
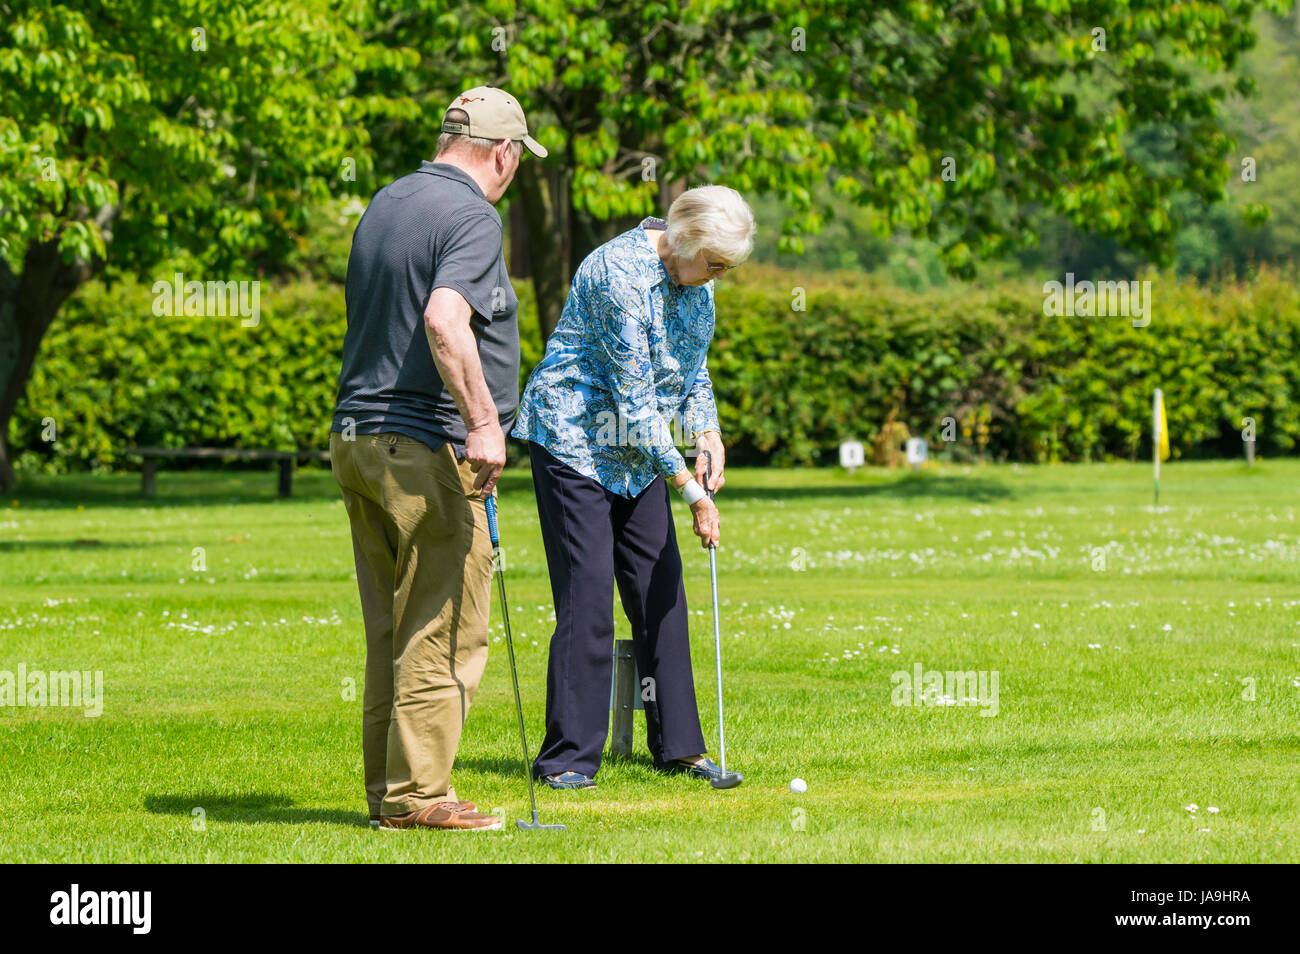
point(714, 218)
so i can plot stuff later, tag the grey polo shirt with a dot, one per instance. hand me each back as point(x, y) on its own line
point(430, 229)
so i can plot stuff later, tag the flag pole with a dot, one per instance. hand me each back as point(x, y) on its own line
point(1156, 402)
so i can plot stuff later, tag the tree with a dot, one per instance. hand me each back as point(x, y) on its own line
point(138, 133)
point(956, 121)
point(208, 130)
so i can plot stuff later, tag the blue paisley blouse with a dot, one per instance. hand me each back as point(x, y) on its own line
point(624, 378)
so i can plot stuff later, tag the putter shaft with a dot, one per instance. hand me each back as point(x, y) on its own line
point(717, 650)
point(491, 506)
point(514, 681)
point(717, 624)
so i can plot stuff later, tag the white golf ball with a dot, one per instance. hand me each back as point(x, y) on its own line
point(798, 786)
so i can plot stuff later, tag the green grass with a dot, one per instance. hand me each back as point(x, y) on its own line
point(1120, 688)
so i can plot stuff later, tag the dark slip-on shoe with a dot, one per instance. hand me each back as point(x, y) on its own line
point(705, 769)
point(569, 780)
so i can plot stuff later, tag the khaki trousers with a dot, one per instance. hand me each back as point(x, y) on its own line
point(424, 571)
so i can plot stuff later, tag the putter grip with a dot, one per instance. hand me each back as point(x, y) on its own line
point(491, 505)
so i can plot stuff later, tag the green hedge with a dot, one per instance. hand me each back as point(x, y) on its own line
point(1020, 385)
point(790, 384)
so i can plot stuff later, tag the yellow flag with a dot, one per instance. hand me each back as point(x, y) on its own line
point(1164, 429)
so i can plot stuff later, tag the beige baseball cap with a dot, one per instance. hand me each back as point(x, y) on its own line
point(493, 114)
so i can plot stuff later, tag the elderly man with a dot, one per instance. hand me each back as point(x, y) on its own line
point(429, 385)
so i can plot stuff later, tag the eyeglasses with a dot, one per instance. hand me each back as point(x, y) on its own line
point(718, 269)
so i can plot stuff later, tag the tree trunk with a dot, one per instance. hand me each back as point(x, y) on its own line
point(28, 304)
point(589, 232)
point(557, 237)
point(544, 197)
point(10, 343)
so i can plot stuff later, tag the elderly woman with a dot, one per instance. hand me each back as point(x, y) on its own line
point(625, 362)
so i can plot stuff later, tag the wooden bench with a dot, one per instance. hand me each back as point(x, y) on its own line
point(286, 460)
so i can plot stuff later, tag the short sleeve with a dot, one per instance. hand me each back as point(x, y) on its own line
point(467, 262)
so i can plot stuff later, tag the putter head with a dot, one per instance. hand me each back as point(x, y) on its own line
point(728, 780)
point(538, 826)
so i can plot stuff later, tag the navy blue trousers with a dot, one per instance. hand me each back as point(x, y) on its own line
point(595, 538)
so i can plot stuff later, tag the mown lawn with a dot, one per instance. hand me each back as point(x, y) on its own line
point(1147, 660)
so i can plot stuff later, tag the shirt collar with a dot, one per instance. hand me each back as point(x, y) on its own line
point(448, 171)
point(664, 277)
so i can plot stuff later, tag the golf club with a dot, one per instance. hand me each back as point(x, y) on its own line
point(728, 779)
point(534, 825)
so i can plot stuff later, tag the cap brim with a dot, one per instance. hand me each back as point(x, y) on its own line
point(535, 147)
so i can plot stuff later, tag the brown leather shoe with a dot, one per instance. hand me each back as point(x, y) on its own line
point(375, 819)
point(455, 816)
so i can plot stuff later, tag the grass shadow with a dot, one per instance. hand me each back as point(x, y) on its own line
point(911, 487)
point(513, 767)
point(262, 808)
point(16, 546)
point(193, 488)
point(189, 488)
point(637, 760)
point(217, 488)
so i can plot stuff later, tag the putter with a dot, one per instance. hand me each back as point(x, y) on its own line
point(728, 779)
point(534, 825)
